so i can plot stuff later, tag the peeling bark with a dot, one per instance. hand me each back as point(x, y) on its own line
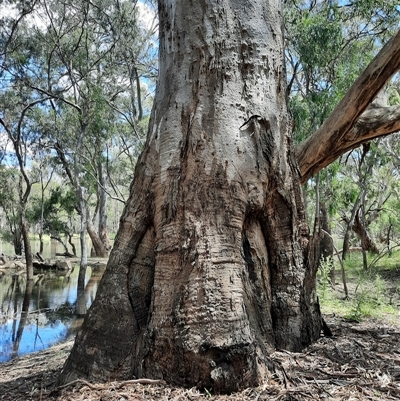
point(209, 271)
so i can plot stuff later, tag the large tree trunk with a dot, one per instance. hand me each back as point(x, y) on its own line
point(209, 270)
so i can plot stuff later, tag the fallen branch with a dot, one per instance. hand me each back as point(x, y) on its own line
point(139, 381)
point(118, 386)
point(79, 381)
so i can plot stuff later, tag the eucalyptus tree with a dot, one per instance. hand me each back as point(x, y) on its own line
point(19, 104)
point(327, 45)
point(366, 191)
point(211, 270)
point(52, 210)
point(23, 140)
point(81, 66)
point(88, 86)
point(44, 172)
point(11, 231)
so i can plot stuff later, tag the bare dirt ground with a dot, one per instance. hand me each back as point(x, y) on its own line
point(360, 362)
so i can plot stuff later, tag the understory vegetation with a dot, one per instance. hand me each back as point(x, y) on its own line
point(372, 293)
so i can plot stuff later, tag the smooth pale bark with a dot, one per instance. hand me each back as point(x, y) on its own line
point(209, 272)
point(98, 245)
point(347, 127)
point(73, 175)
point(102, 197)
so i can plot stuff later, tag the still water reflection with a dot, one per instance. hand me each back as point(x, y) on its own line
point(51, 303)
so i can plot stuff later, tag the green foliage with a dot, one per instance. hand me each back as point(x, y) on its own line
point(93, 60)
point(325, 268)
point(370, 294)
point(369, 299)
point(328, 44)
point(9, 178)
point(56, 209)
point(318, 38)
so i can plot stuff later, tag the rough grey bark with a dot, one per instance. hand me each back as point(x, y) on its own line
point(209, 271)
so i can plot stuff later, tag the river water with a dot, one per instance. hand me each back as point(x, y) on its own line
point(51, 303)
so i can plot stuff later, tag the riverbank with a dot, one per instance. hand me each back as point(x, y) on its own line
point(360, 362)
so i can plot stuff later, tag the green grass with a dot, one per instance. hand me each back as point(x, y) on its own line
point(373, 292)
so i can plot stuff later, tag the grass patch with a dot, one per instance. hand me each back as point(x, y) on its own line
point(373, 292)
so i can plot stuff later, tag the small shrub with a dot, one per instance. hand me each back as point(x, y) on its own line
point(325, 268)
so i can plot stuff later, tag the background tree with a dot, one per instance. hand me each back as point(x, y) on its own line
point(54, 214)
point(86, 49)
point(17, 118)
point(9, 205)
point(327, 46)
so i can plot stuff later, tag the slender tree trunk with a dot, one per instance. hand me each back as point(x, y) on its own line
point(60, 240)
point(362, 233)
point(84, 213)
point(315, 241)
point(98, 245)
point(350, 223)
point(103, 232)
point(81, 308)
point(327, 241)
point(209, 272)
point(41, 246)
point(17, 241)
point(27, 248)
point(72, 244)
point(81, 304)
point(41, 218)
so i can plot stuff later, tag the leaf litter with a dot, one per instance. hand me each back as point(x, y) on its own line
point(361, 361)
